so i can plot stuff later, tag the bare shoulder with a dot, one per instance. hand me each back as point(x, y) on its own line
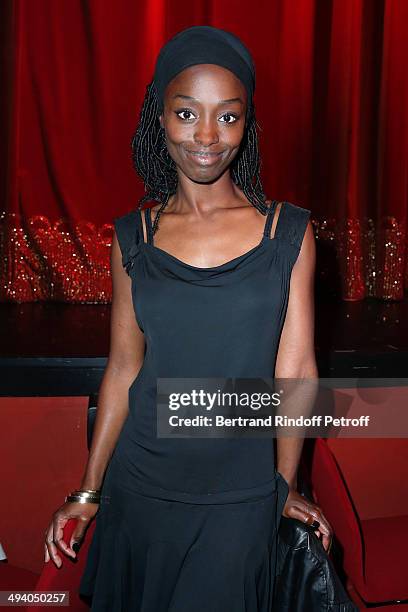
point(306, 259)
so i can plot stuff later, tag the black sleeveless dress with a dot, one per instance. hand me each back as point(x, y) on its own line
point(191, 523)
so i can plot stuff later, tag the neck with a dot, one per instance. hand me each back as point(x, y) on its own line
point(201, 198)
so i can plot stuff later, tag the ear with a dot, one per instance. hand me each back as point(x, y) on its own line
point(161, 121)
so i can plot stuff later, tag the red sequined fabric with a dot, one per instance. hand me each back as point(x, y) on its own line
point(63, 261)
point(69, 261)
point(370, 260)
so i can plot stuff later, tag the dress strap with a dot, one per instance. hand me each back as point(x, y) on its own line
point(149, 225)
point(292, 224)
point(269, 218)
point(129, 232)
point(139, 226)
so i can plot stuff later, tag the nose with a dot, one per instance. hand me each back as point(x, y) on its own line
point(206, 133)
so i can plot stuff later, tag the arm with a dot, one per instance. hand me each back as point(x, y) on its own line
point(126, 355)
point(296, 355)
point(296, 359)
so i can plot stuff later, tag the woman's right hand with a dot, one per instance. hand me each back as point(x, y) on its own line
point(54, 541)
point(302, 509)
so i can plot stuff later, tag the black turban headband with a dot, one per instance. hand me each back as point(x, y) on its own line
point(203, 45)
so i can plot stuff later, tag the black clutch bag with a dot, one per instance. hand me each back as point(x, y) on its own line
point(306, 579)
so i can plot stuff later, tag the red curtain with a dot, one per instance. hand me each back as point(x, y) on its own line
point(331, 99)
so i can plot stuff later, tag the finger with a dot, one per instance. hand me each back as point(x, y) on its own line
point(53, 552)
point(78, 535)
point(324, 525)
point(306, 517)
point(307, 509)
point(326, 541)
point(51, 548)
point(308, 514)
point(312, 514)
point(59, 541)
point(300, 515)
point(46, 554)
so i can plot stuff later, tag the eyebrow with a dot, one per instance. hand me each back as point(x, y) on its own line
point(229, 101)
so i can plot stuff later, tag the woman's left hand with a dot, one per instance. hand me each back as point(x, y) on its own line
point(300, 508)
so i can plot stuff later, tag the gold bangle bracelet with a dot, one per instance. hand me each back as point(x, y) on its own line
point(85, 494)
point(82, 500)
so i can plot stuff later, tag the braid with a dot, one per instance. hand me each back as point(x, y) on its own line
point(154, 165)
point(245, 170)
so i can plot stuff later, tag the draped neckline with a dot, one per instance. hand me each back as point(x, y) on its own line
point(226, 264)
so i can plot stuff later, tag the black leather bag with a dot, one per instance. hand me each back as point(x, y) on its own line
point(306, 580)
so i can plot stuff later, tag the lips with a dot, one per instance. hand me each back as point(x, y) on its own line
point(204, 158)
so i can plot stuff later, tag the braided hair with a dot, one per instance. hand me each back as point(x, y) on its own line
point(154, 165)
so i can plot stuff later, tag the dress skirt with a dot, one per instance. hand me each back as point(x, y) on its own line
point(150, 554)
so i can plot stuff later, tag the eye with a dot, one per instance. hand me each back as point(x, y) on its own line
point(230, 116)
point(185, 111)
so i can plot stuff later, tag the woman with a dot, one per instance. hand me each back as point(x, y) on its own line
point(224, 289)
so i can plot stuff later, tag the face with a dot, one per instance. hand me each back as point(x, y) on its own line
point(204, 120)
